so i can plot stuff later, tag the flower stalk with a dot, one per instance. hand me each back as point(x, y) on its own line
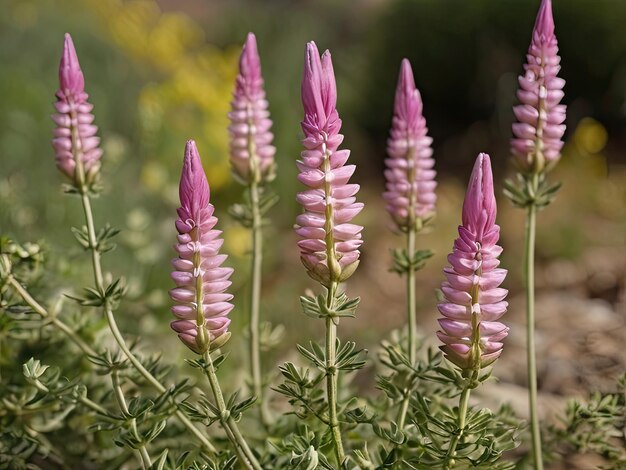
point(246, 457)
point(536, 148)
point(329, 245)
point(202, 304)
point(473, 299)
point(410, 190)
point(462, 416)
point(331, 379)
point(252, 162)
point(255, 300)
point(74, 144)
point(529, 277)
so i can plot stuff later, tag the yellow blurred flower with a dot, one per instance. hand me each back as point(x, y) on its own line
point(191, 93)
point(590, 136)
point(238, 241)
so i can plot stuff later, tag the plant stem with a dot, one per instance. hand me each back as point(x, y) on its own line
point(37, 307)
point(411, 303)
point(255, 299)
point(121, 401)
point(244, 453)
point(84, 400)
point(108, 312)
point(463, 403)
point(529, 272)
point(331, 377)
point(412, 320)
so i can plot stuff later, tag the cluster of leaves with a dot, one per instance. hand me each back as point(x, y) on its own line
point(431, 387)
point(69, 414)
point(242, 212)
point(596, 426)
point(404, 263)
point(531, 190)
point(43, 407)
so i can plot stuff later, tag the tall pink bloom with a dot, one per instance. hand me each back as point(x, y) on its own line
point(202, 305)
point(251, 149)
point(75, 142)
point(410, 175)
point(474, 302)
point(539, 130)
point(329, 245)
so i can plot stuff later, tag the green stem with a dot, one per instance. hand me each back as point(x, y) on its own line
point(121, 400)
point(255, 299)
point(529, 271)
point(411, 303)
point(331, 377)
point(38, 308)
point(244, 453)
point(117, 335)
point(84, 400)
point(412, 320)
point(463, 404)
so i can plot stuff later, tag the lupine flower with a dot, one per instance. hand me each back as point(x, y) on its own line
point(251, 149)
point(75, 142)
point(329, 245)
point(202, 305)
point(539, 130)
point(410, 175)
point(474, 302)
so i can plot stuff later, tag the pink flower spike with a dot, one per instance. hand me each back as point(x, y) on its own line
point(75, 143)
point(329, 242)
point(410, 176)
point(471, 332)
point(538, 133)
point(251, 152)
point(201, 303)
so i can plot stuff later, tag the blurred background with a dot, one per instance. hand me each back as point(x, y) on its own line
point(162, 71)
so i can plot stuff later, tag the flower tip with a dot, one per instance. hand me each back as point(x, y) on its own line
point(194, 189)
point(479, 207)
point(250, 61)
point(311, 81)
point(191, 151)
point(311, 49)
point(70, 75)
point(406, 82)
point(544, 24)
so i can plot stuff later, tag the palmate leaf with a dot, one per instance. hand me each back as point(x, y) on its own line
point(347, 359)
point(92, 297)
point(317, 306)
point(237, 408)
point(316, 354)
point(403, 263)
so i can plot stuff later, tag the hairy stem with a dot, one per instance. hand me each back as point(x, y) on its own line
point(108, 312)
point(244, 453)
point(412, 320)
point(331, 377)
point(255, 299)
point(82, 399)
point(463, 403)
point(121, 401)
point(37, 307)
point(411, 305)
point(529, 275)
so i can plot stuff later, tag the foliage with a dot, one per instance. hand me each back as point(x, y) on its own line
point(593, 426)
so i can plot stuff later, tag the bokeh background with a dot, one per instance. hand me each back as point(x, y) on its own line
point(161, 71)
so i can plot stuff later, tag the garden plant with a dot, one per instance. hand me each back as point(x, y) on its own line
point(112, 404)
